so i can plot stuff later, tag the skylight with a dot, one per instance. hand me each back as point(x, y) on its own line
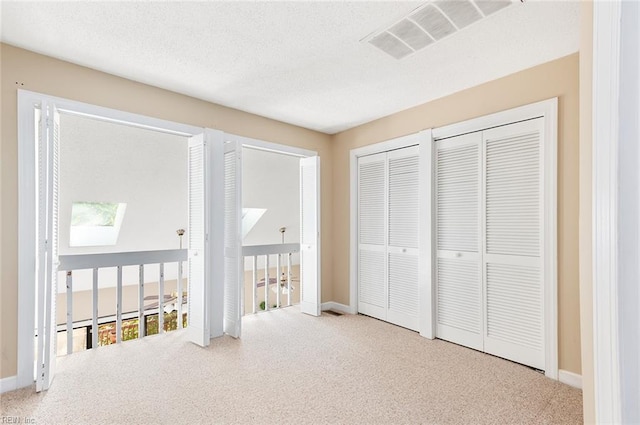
point(95, 223)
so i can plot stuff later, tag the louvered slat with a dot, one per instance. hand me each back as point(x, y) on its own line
point(196, 220)
point(513, 194)
point(231, 241)
point(457, 193)
point(459, 295)
point(514, 313)
point(372, 287)
point(403, 284)
point(371, 278)
point(514, 304)
point(404, 201)
point(371, 204)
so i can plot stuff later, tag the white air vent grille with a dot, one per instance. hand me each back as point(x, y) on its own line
point(431, 22)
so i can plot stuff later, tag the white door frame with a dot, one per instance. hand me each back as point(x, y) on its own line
point(547, 109)
point(616, 211)
point(250, 143)
point(27, 168)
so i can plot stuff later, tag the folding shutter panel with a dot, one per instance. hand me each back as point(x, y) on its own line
point(372, 289)
point(458, 258)
point(41, 269)
point(309, 235)
point(233, 264)
point(403, 237)
point(198, 329)
point(49, 206)
point(513, 262)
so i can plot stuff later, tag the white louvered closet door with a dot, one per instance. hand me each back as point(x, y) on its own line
point(514, 323)
point(458, 171)
point(372, 206)
point(403, 200)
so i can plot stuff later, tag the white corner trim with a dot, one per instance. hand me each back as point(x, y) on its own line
point(332, 305)
point(606, 90)
point(570, 378)
point(9, 383)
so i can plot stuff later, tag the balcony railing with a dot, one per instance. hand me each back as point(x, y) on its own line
point(71, 263)
point(281, 280)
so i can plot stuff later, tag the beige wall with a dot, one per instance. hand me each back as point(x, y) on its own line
point(558, 78)
point(26, 70)
point(586, 291)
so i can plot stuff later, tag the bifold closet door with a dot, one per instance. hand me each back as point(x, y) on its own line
point(403, 223)
point(388, 236)
point(513, 248)
point(458, 172)
point(372, 222)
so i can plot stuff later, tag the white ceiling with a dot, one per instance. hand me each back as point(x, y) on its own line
point(300, 62)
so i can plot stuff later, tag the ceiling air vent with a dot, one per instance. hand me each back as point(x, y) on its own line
point(431, 22)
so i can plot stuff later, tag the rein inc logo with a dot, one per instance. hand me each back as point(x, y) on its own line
point(17, 420)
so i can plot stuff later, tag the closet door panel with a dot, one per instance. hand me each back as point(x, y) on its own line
point(514, 290)
point(372, 287)
point(403, 237)
point(458, 248)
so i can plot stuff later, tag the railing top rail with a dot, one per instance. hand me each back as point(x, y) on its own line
point(113, 259)
point(280, 248)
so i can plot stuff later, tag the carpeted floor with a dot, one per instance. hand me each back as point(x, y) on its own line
point(293, 368)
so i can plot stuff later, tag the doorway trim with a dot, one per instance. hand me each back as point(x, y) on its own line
point(27, 167)
point(256, 144)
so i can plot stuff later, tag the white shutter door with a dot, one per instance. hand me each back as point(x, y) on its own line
point(47, 354)
point(41, 269)
point(233, 264)
point(310, 301)
point(198, 329)
point(458, 242)
point(403, 200)
point(513, 248)
point(372, 286)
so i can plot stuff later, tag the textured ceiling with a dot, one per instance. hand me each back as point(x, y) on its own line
point(298, 62)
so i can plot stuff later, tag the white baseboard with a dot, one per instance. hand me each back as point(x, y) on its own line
point(332, 305)
point(9, 383)
point(570, 378)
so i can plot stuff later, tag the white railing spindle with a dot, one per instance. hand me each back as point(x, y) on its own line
point(161, 300)
point(94, 324)
point(119, 307)
point(69, 312)
point(179, 295)
point(278, 280)
point(289, 279)
point(254, 283)
point(266, 282)
point(141, 319)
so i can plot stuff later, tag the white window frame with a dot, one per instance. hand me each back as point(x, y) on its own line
point(547, 109)
point(27, 167)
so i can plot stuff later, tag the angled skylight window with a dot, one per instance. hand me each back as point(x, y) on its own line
point(250, 217)
point(95, 223)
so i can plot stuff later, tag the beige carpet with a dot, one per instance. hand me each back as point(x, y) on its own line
point(293, 368)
